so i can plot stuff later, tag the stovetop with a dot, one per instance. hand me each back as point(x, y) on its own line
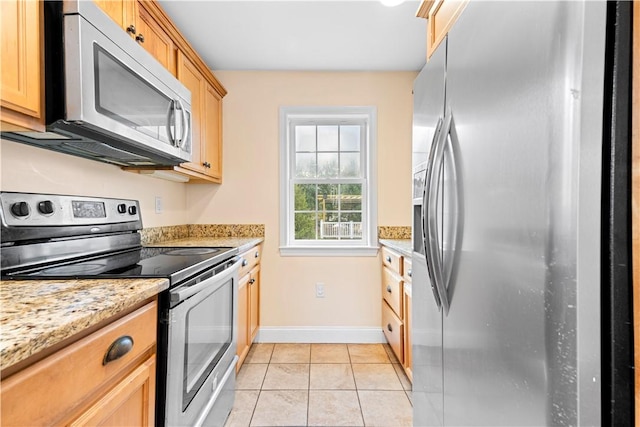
point(174, 263)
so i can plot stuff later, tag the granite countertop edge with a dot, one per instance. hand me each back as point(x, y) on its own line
point(64, 308)
point(401, 245)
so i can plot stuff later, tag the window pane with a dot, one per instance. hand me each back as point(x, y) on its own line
point(350, 165)
point(327, 138)
point(351, 198)
point(305, 138)
point(305, 165)
point(351, 226)
point(327, 197)
point(305, 226)
point(305, 197)
point(327, 165)
point(349, 138)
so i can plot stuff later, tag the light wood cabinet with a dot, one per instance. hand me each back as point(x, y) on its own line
point(159, 36)
point(441, 15)
point(22, 94)
point(154, 39)
point(248, 301)
point(396, 305)
point(80, 385)
point(206, 109)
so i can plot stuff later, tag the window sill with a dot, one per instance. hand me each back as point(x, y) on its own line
point(329, 251)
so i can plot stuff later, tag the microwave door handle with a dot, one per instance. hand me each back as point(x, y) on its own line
point(169, 114)
point(185, 126)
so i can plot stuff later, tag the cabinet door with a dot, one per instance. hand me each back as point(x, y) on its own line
point(21, 57)
point(189, 75)
point(212, 140)
point(130, 403)
point(243, 320)
point(155, 40)
point(123, 12)
point(254, 300)
point(408, 362)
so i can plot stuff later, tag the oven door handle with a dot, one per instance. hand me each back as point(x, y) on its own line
point(181, 294)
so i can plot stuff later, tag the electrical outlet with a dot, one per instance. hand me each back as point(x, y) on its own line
point(319, 290)
point(158, 204)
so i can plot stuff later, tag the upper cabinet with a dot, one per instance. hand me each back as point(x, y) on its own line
point(440, 15)
point(206, 109)
point(154, 31)
point(22, 94)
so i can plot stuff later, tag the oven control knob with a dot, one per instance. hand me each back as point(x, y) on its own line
point(45, 207)
point(20, 209)
point(122, 208)
point(133, 210)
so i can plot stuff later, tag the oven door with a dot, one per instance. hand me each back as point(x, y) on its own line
point(201, 356)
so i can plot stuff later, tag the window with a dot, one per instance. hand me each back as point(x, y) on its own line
point(327, 181)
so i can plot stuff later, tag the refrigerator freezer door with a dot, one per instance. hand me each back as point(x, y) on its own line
point(428, 95)
point(511, 339)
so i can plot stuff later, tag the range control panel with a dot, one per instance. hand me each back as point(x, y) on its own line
point(54, 210)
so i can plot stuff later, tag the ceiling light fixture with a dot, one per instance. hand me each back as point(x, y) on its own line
point(391, 3)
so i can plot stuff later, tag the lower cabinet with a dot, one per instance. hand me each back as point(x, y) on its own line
point(396, 305)
point(86, 382)
point(248, 301)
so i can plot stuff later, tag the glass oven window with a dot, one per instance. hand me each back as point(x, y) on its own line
point(124, 96)
point(209, 331)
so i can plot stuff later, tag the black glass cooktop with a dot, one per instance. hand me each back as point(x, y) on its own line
point(175, 263)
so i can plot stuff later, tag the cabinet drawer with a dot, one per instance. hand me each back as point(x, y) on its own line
point(76, 372)
point(393, 330)
point(392, 289)
point(249, 259)
point(392, 259)
point(406, 269)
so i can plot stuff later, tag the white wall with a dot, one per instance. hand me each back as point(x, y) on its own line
point(31, 169)
point(249, 193)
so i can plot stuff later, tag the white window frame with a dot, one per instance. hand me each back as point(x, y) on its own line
point(368, 246)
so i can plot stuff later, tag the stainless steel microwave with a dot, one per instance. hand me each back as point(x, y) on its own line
point(106, 98)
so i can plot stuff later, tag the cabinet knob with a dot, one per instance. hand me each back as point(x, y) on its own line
point(252, 281)
point(140, 38)
point(389, 328)
point(388, 258)
point(409, 273)
point(206, 165)
point(131, 29)
point(389, 288)
point(245, 262)
point(118, 348)
point(257, 254)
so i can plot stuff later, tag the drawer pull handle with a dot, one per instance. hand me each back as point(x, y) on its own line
point(257, 254)
point(389, 327)
point(118, 348)
point(245, 262)
point(389, 289)
point(252, 281)
point(388, 258)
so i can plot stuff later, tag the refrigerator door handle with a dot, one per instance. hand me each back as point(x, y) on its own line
point(426, 195)
point(434, 244)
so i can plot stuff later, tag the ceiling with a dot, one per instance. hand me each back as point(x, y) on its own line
point(320, 35)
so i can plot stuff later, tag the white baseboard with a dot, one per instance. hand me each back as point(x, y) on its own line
point(336, 334)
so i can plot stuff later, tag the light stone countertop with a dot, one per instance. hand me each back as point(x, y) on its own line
point(403, 246)
point(242, 243)
point(38, 314)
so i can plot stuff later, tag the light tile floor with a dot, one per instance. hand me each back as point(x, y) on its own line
point(321, 385)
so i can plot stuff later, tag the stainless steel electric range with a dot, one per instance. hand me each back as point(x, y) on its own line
point(46, 236)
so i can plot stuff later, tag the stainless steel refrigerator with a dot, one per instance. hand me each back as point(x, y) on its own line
point(521, 301)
